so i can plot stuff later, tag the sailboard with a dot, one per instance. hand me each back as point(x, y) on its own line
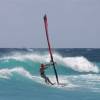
point(49, 47)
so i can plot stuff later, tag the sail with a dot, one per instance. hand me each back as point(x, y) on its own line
point(49, 47)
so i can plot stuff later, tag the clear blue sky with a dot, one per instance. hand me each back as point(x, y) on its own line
point(72, 23)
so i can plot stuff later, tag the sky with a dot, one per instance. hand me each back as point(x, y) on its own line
point(72, 23)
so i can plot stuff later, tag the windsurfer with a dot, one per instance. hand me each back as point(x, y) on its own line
point(42, 73)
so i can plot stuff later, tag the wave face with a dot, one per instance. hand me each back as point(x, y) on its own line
point(78, 68)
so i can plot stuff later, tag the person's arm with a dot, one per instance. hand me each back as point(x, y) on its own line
point(47, 65)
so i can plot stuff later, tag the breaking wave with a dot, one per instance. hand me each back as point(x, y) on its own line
point(80, 64)
point(7, 73)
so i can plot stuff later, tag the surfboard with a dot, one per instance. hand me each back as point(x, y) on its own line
point(40, 80)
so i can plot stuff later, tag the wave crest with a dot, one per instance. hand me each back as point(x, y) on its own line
point(7, 73)
point(80, 64)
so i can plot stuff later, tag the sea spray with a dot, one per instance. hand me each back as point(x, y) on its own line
point(79, 63)
point(7, 73)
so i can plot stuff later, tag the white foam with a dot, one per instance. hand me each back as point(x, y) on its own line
point(7, 73)
point(33, 57)
point(64, 83)
point(92, 77)
point(80, 64)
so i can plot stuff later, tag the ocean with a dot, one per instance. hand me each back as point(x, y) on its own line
point(77, 68)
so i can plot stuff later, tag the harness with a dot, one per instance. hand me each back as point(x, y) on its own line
point(42, 73)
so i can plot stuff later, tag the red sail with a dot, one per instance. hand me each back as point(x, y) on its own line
point(46, 29)
point(49, 47)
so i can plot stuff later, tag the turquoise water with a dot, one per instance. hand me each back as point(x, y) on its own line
point(79, 69)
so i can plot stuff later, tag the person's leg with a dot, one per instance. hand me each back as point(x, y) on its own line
point(45, 78)
point(48, 80)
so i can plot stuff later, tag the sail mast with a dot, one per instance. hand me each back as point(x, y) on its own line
point(49, 47)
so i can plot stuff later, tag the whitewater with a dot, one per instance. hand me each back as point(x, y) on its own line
point(20, 79)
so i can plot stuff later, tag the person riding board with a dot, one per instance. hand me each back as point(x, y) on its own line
point(42, 73)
